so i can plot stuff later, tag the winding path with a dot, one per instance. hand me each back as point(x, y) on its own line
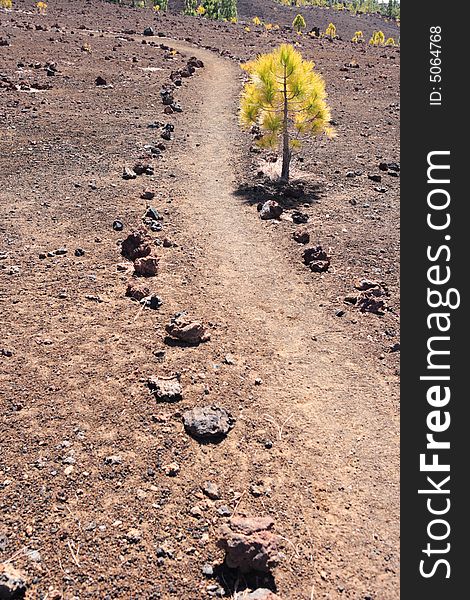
point(338, 471)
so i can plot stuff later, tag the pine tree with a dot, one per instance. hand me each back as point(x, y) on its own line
point(286, 98)
point(228, 9)
point(212, 9)
point(190, 7)
point(299, 23)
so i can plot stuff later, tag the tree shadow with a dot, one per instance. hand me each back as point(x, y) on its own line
point(233, 581)
point(290, 196)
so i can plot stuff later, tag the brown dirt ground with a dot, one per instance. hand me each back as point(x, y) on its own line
point(73, 392)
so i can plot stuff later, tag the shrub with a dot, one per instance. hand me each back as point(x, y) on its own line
point(190, 7)
point(299, 23)
point(6, 3)
point(228, 9)
point(358, 37)
point(377, 39)
point(160, 5)
point(331, 31)
point(42, 8)
point(286, 98)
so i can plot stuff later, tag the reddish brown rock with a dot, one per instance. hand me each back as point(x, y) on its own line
point(249, 544)
point(136, 245)
point(137, 292)
point(146, 267)
point(184, 330)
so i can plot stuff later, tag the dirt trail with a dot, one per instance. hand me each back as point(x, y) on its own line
point(339, 468)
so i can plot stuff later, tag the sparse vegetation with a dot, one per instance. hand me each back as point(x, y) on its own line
point(299, 23)
point(42, 8)
point(331, 31)
point(228, 9)
point(6, 3)
point(286, 98)
point(225, 10)
point(390, 9)
point(160, 5)
point(377, 39)
point(358, 37)
point(190, 7)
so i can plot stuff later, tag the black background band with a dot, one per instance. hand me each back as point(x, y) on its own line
point(425, 129)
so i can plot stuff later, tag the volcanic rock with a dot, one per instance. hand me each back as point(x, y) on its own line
point(249, 544)
point(136, 245)
point(208, 422)
point(270, 210)
point(299, 217)
point(184, 330)
point(12, 583)
point(137, 292)
point(165, 390)
point(317, 259)
point(301, 236)
point(146, 267)
point(128, 173)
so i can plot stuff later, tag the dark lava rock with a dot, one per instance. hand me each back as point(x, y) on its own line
point(299, 217)
point(195, 63)
point(317, 259)
point(147, 195)
point(149, 31)
point(152, 213)
point(12, 583)
point(249, 544)
point(372, 300)
point(118, 225)
point(100, 81)
point(136, 245)
point(301, 236)
point(143, 168)
point(153, 302)
point(128, 173)
point(166, 135)
point(270, 210)
point(79, 252)
point(167, 97)
point(376, 178)
point(208, 422)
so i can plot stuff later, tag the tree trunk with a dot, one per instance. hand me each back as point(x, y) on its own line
point(286, 151)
